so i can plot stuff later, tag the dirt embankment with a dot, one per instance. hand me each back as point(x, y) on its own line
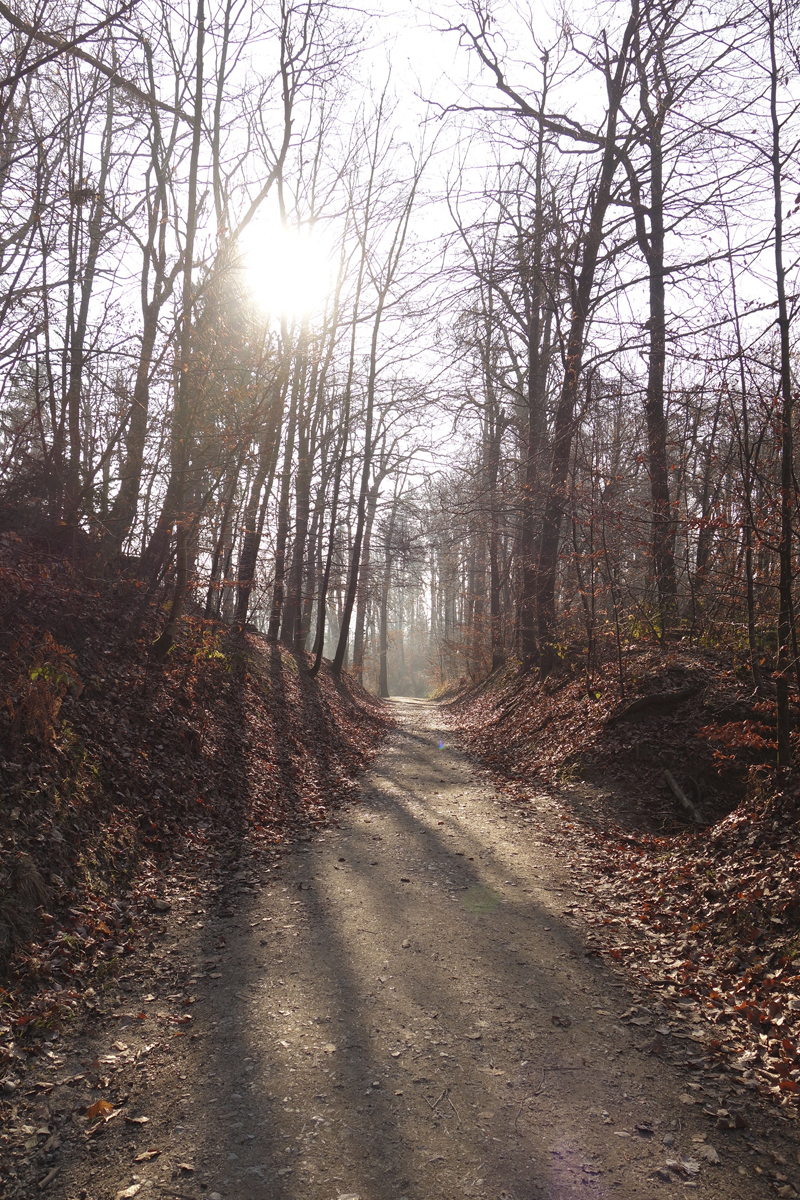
point(692, 713)
point(117, 774)
point(706, 915)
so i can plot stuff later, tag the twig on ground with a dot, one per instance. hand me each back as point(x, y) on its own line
point(455, 1110)
point(48, 1179)
point(432, 1107)
point(683, 799)
point(525, 1099)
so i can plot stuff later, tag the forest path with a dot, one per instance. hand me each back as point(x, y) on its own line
point(407, 1010)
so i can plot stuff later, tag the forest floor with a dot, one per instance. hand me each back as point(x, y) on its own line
point(410, 1004)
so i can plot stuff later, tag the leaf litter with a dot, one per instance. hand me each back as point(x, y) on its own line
point(147, 791)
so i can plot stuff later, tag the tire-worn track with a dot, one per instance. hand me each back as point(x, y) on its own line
point(407, 1010)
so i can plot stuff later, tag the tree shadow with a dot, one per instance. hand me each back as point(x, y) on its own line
point(391, 1112)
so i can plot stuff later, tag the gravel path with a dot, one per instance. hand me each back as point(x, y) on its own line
point(405, 1008)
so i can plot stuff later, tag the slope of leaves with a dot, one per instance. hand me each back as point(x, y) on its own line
point(711, 920)
point(566, 731)
point(706, 920)
point(119, 775)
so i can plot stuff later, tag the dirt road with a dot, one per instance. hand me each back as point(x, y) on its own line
point(405, 1008)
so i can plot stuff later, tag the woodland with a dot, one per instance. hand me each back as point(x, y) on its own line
point(510, 381)
point(349, 353)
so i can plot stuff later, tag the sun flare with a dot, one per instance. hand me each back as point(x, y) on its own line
point(288, 272)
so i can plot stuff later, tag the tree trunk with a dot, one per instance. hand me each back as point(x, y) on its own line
point(181, 428)
point(283, 513)
point(269, 447)
point(364, 584)
point(563, 426)
point(787, 403)
point(77, 335)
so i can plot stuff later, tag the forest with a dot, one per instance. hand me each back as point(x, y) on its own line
point(354, 354)
point(515, 381)
point(507, 380)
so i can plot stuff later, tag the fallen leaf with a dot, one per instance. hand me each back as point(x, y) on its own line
point(709, 1154)
point(100, 1108)
point(677, 1168)
point(147, 1155)
point(731, 1120)
point(127, 1192)
point(136, 1120)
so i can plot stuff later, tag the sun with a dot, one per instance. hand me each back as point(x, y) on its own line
point(288, 271)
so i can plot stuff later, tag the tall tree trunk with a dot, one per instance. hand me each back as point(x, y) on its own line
point(538, 337)
point(255, 512)
point(154, 257)
point(214, 596)
point(393, 259)
point(77, 340)
point(338, 467)
point(787, 404)
point(364, 584)
point(282, 533)
point(495, 437)
point(656, 98)
point(181, 428)
point(564, 423)
point(293, 610)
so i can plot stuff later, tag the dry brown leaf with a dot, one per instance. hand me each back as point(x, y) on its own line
point(100, 1108)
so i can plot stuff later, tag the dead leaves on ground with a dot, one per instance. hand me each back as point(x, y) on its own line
point(708, 922)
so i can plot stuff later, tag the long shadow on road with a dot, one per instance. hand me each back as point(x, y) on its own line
point(417, 1022)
